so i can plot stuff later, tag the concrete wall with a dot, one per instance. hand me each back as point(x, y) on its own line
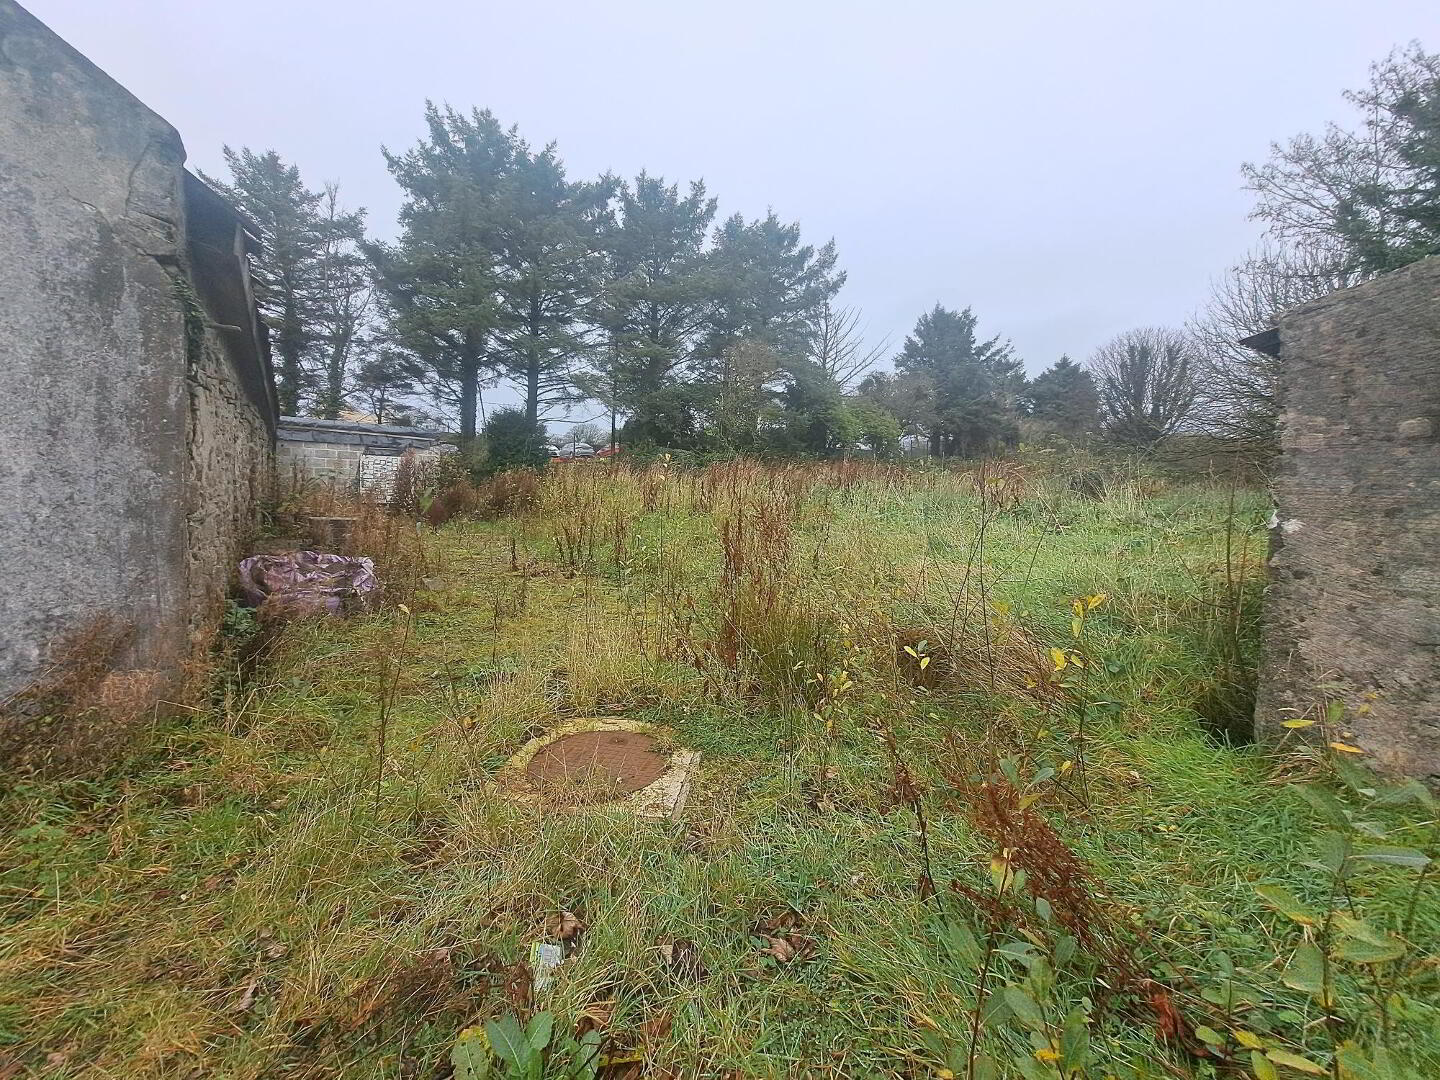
point(323, 462)
point(1354, 600)
point(351, 453)
point(130, 451)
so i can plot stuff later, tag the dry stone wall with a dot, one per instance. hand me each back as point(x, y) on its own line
point(1353, 608)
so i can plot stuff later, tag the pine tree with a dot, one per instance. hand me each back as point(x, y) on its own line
point(653, 303)
point(287, 271)
point(385, 382)
point(1064, 399)
point(442, 278)
point(769, 296)
point(767, 287)
point(344, 301)
point(549, 261)
point(973, 385)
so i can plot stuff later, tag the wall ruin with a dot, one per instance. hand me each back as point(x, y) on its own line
point(1353, 608)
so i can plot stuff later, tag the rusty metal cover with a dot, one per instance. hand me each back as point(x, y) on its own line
point(600, 764)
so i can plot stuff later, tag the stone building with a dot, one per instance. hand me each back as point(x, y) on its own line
point(351, 454)
point(1353, 608)
point(139, 417)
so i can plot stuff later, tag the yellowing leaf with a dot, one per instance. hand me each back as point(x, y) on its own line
point(1346, 748)
point(1077, 624)
point(1248, 1039)
point(1293, 724)
point(1296, 1062)
point(1092, 602)
point(1058, 657)
point(1000, 872)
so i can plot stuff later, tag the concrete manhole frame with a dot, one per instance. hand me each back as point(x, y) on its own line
point(663, 797)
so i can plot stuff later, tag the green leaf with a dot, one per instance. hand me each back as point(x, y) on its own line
point(1356, 1064)
point(1334, 850)
point(470, 1056)
point(1306, 970)
point(1025, 1008)
point(1349, 926)
point(1410, 791)
point(960, 943)
point(1359, 951)
point(1285, 902)
point(1325, 804)
point(587, 1058)
point(1263, 1067)
point(537, 1034)
point(508, 1040)
point(1075, 1041)
point(1408, 858)
point(1065, 946)
point(1209, 1035)
point(1355, 776)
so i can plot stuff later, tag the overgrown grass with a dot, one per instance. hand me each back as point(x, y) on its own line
point(859, 653)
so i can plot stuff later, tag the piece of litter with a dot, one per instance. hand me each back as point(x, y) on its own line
point(544, 960)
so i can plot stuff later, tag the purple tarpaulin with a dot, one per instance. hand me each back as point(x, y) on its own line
point(309, 583)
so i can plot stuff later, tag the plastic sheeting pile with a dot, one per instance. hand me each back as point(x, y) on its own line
point(304, 583)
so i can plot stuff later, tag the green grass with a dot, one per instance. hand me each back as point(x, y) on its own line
point(242, 899)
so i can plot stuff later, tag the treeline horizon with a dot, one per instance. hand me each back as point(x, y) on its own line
point(726, 337)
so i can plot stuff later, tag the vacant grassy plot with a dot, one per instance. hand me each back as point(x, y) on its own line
point(964, 809)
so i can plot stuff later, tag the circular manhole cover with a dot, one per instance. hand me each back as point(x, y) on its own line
point(600, 764)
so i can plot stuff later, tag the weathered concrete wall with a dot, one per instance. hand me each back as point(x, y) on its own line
point(1354, 601)
point(349, 454)
point(330, 463)
point(129, 454)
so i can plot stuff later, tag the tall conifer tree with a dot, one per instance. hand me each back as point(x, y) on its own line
point(441, 279)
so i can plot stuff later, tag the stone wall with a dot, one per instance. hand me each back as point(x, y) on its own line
point(1353, 609)
point(136, 429)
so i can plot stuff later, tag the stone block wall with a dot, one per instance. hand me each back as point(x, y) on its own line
point(229, 475)
point(330, 463)
point(1353, 608)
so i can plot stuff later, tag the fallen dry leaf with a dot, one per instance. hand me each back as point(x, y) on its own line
point(781, 949)
point(682, 956)
point(566, 926)
point(247, 999)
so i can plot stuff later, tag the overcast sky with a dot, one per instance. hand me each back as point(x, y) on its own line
point(1068, 169)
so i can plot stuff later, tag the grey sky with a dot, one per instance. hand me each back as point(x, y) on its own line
point(1070, 170)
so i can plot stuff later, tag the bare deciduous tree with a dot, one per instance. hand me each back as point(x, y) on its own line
point(839, 350)
point(1147, 380)
point(1372, 192)
point(1237, 386)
